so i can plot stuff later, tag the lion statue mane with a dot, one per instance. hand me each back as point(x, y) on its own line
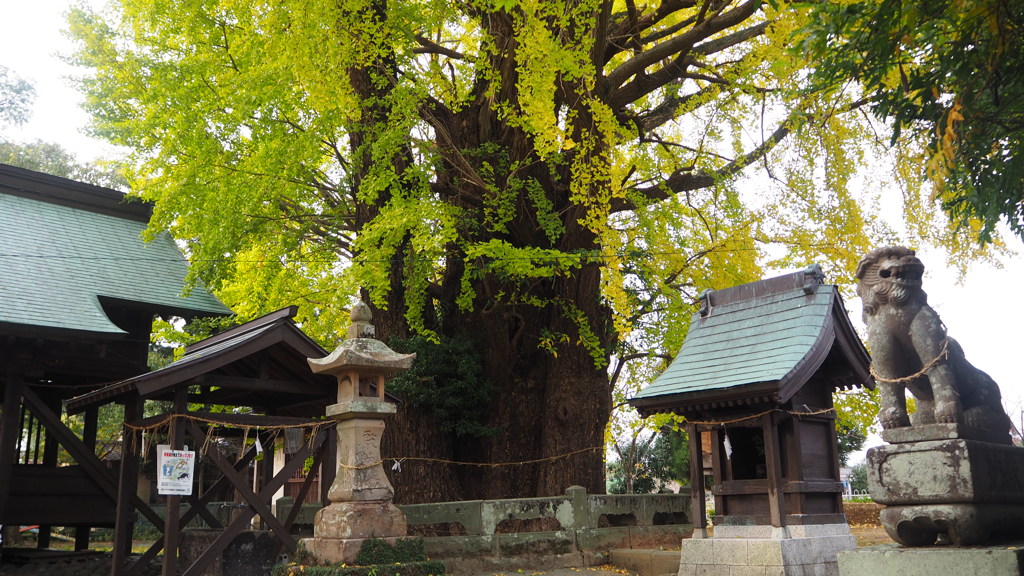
point(911, 351)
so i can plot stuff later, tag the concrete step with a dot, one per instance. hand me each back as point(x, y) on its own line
point(647, 562)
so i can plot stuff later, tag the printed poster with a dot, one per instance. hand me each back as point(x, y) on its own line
point(175, 469)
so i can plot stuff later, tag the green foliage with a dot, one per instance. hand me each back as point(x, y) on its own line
point(108, 430)
point(850, 441)
point(856, 418)
point(51, 158)
point(447, 379)
point(16, 97)
point(289, 180)
point(376, 557)
point(859, 478)
point(377, 551)
point(945, 74)
point(646, 464)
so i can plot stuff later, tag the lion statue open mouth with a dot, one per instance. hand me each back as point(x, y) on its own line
point(911, 351)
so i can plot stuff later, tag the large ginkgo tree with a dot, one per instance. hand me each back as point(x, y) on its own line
point(529, 193)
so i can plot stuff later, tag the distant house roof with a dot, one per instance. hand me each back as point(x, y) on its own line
point(260, 364)
point(66, 247)
point(762, 340)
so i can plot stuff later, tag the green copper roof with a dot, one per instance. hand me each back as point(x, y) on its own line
point(65, 245)
point(771, 335)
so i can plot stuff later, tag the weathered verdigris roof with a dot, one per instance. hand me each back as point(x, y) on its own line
point(65, 245)
point(764, 338)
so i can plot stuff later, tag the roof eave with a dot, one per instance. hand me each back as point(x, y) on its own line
point(681, 402)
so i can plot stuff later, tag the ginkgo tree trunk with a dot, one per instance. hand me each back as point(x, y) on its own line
point(552, 180)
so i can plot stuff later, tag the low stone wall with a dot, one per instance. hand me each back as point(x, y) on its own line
point(574, 530)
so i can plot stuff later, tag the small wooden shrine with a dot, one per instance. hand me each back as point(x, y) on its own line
point(259, 369)
point(754, 380)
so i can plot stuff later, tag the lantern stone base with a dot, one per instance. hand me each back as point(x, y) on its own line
point(341, 528)
point(934, 561)
point(789, 551)
point(337, 550)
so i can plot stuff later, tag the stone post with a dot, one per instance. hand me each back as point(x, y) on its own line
point(361, 495)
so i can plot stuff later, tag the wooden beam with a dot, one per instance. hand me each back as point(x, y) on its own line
point(329, 467)
point(10, 435)
point(78, 450)
point(246, 492)
point(720, 474)
point(262, 385)
point(207, 419)
point(85, 457)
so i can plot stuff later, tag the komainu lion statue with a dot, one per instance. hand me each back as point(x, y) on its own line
point(911, 351)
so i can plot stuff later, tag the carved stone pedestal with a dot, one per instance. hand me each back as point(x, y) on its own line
point(939, 479)
point(361, 495)
point(341, 528)
point(932, 561)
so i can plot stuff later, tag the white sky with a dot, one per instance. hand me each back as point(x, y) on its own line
point(985, 314)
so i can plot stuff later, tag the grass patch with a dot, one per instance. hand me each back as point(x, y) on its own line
point(376, 558)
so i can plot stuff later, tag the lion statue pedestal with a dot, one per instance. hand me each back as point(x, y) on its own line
point(950, 468)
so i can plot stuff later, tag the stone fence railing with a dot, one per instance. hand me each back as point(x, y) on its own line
point(577, 529)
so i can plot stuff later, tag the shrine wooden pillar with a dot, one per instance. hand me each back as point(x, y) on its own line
point(172, 524)
point(10, 434)
point(89, 439)
point(773, 461)
point(128, 478)
point(50, 460)
point(328, 467)
point(698, 511)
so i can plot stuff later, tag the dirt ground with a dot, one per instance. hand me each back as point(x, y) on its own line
point(863, 519)
point(862, 516)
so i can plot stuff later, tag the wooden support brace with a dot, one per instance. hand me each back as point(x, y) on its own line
point(256, 505)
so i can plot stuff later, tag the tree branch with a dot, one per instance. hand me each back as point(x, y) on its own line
point(431, 47)
point(626, 27)
point(678, 181)
point(680, 45)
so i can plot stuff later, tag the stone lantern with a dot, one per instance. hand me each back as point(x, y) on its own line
point(361, 495)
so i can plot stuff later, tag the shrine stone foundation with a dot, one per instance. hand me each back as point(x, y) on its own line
point(796, 550)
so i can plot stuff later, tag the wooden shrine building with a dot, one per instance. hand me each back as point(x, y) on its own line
point(754, 380)
point(259, 372)
point(78, 293)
